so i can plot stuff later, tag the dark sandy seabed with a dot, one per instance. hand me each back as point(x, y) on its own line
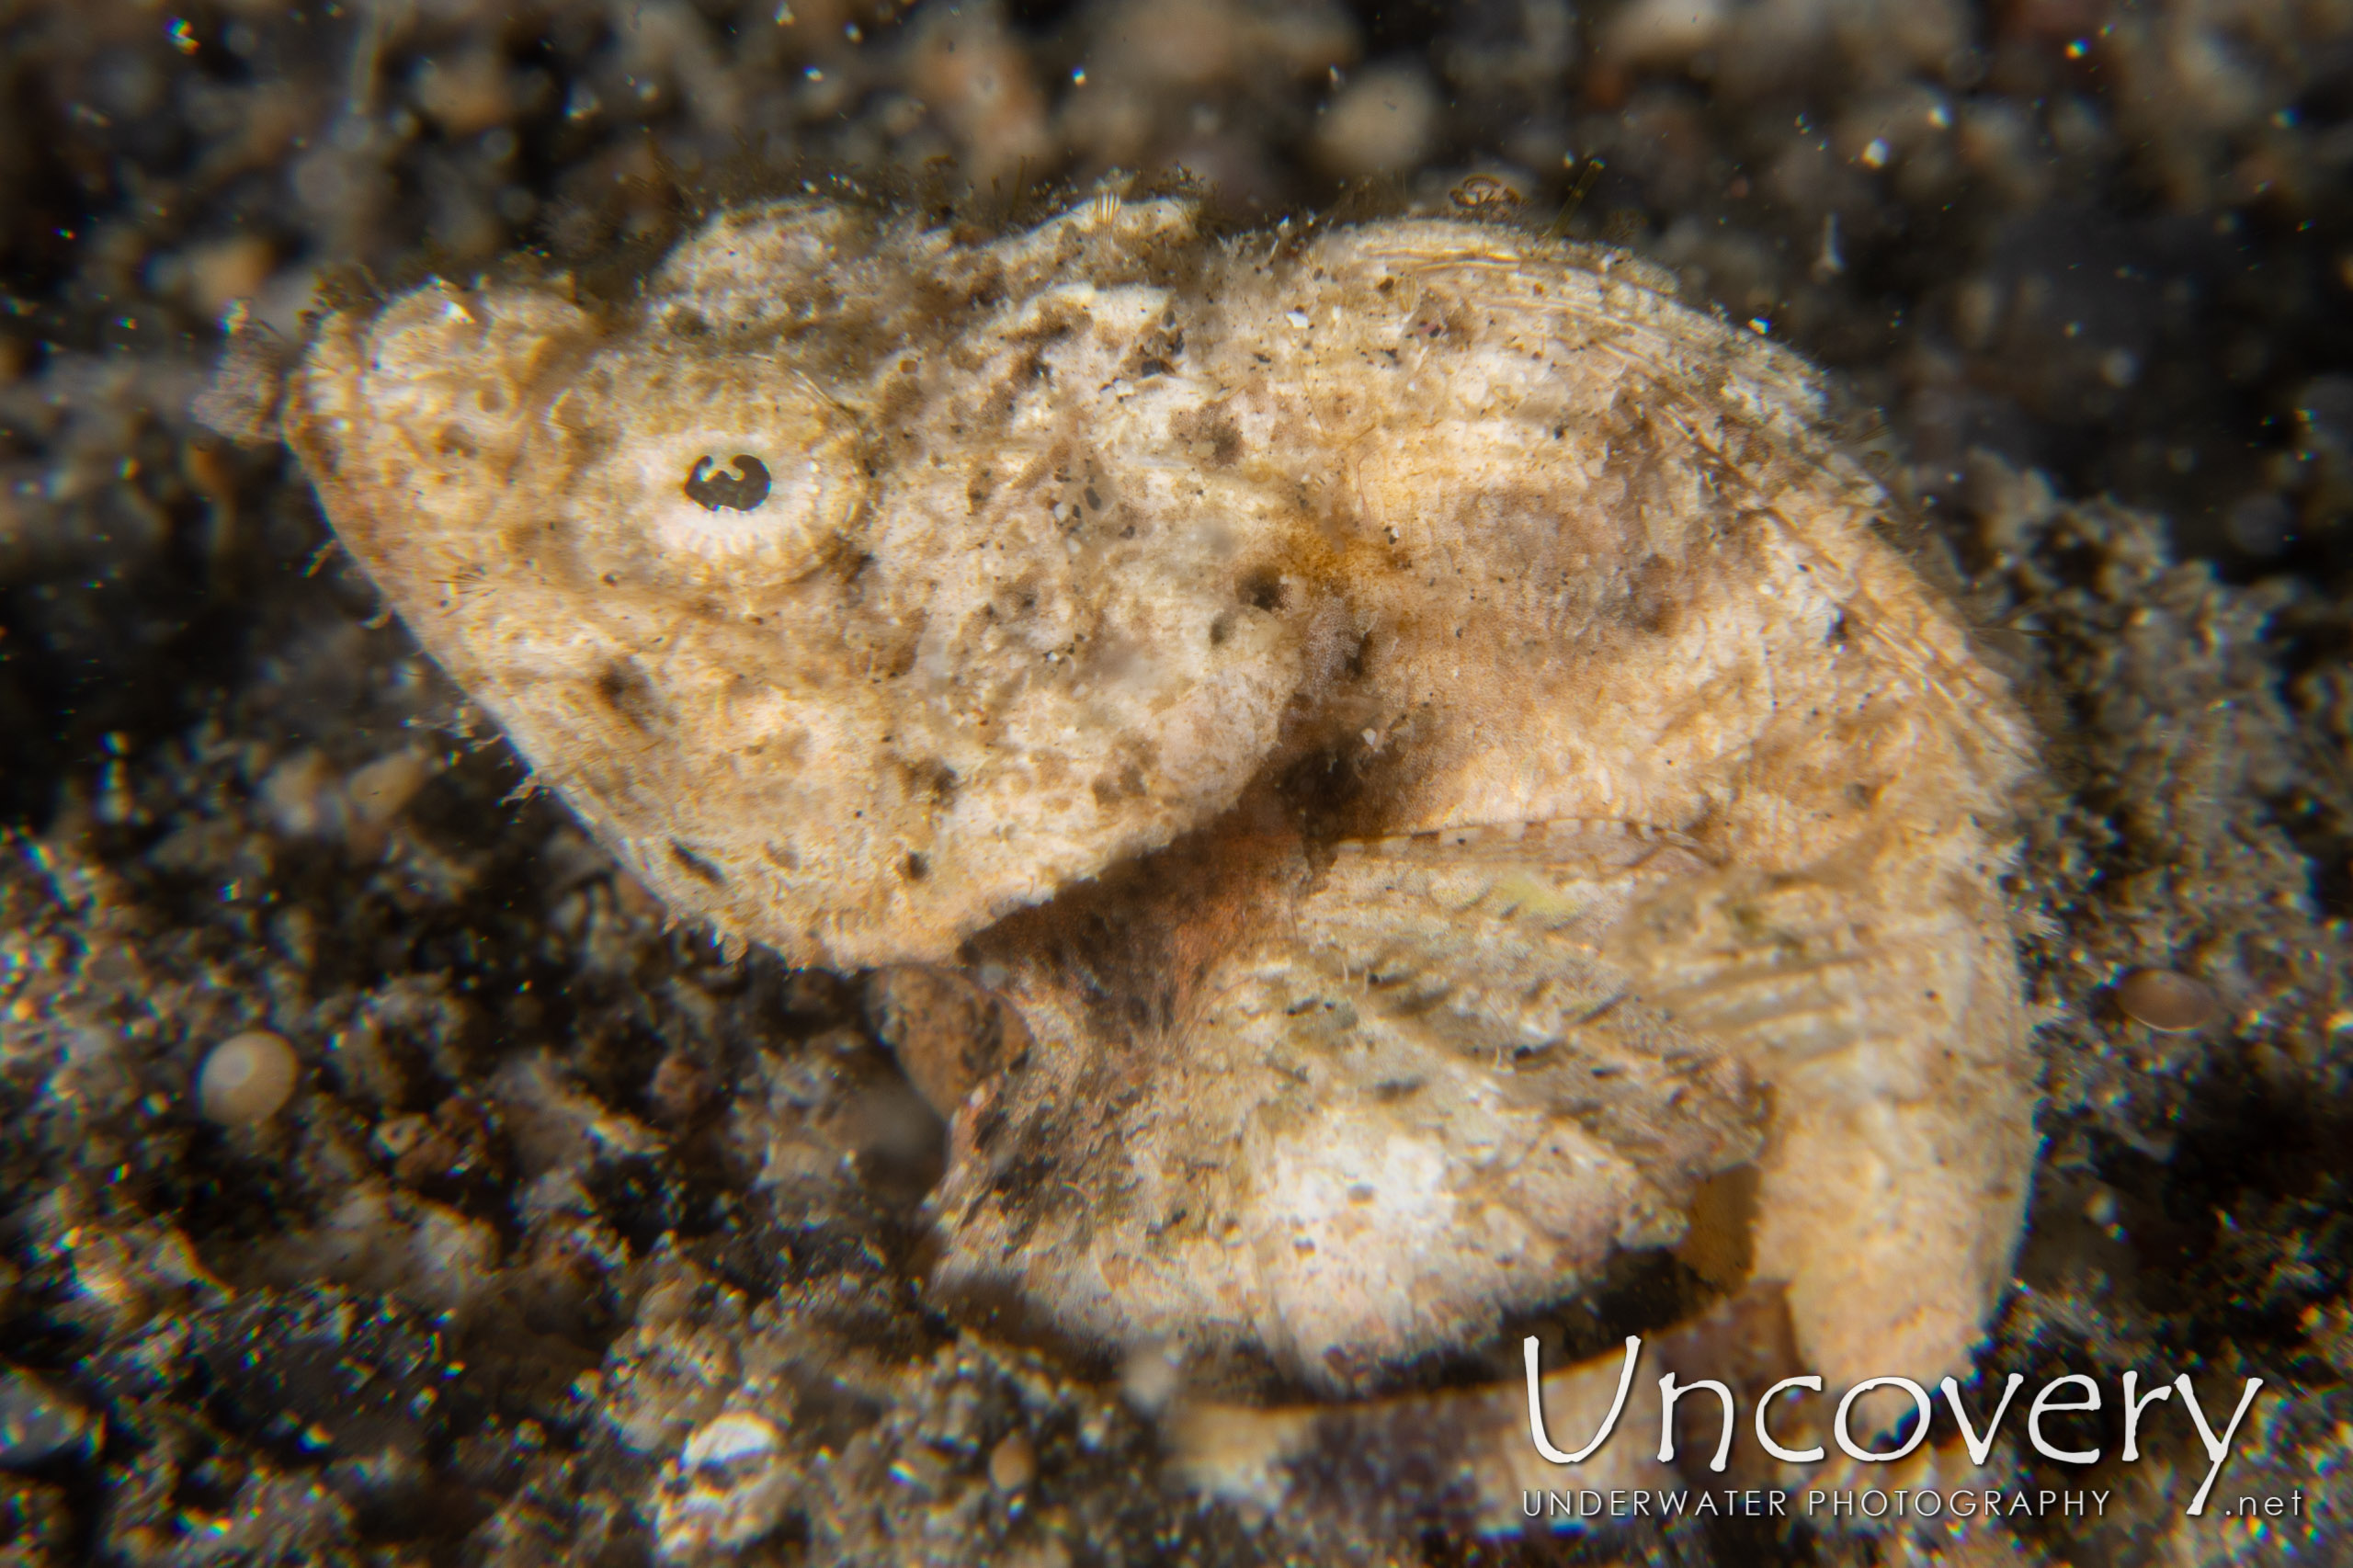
point(463, 1298)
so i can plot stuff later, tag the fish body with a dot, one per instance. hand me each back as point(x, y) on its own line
point(1411, 739)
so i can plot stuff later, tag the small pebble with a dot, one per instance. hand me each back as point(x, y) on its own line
point(247, 1078)
point(1382, 121)
point(2168, 1002)
point(1149, 1378)
point(381, 790)
point(1014, 1464)
point(36, 1422)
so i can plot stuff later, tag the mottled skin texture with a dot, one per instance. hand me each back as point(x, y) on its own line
point(1415, 724)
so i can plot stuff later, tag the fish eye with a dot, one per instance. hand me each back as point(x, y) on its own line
point(716, 489)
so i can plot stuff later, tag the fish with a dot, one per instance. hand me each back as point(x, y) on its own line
point(1375, 770)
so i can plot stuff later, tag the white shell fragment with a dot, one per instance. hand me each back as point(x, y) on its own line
point(246, 1078)
point(1420, 727)
point(729, 1485)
